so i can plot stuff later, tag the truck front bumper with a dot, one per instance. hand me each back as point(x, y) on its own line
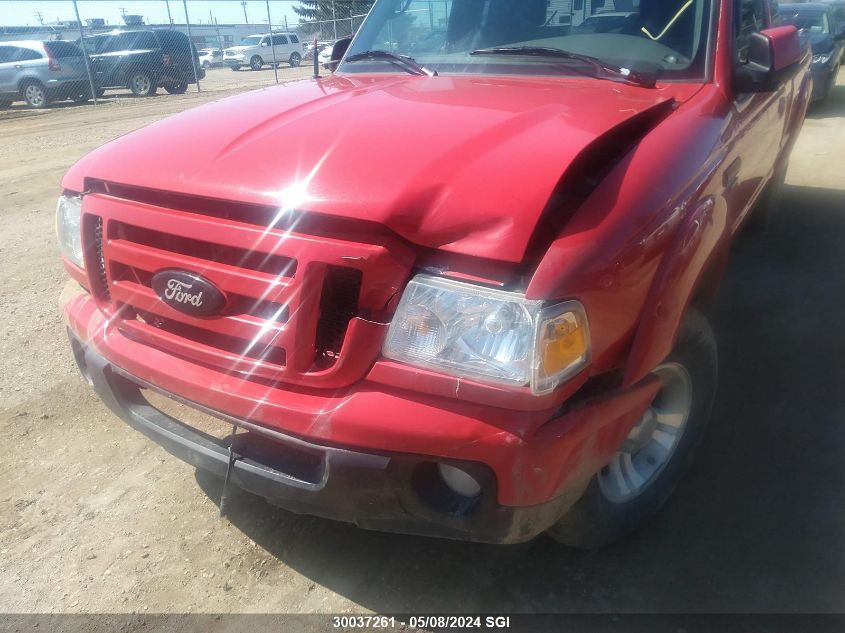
point(367, 456)
point(378, 491)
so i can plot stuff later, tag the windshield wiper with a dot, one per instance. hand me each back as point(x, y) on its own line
point(646, 80)
point(403, 61)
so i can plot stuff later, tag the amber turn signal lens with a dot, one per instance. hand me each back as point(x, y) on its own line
point(564, 344)
point(563, 347)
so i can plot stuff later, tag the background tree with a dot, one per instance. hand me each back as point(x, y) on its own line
point(321, 13)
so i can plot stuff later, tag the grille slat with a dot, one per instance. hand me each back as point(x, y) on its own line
point(175, 343)
point(229, 279)
point(244, 326)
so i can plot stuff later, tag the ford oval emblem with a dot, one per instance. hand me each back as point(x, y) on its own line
point(188, 292)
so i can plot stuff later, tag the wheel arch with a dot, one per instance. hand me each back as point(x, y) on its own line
point(127, 75)
point(29, 79)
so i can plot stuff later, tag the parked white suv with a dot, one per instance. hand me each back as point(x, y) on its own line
point(256, 50)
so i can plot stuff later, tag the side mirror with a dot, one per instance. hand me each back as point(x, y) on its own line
point(338, 51)
point(265, 43)
point(774, 55)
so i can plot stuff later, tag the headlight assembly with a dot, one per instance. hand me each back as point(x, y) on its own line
point(69, 228)
point(490, 335)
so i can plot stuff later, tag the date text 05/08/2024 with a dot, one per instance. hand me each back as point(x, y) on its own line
point(376, 622)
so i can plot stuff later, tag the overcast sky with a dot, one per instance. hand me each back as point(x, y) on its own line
point(23, 12)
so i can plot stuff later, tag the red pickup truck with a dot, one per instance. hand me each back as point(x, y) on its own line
point(457, 288)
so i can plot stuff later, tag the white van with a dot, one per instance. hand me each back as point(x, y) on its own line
point(257, 50)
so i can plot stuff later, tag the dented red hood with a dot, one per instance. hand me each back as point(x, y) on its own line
point(464, 164)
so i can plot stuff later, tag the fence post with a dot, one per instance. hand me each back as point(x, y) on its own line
point(334, 22)
point(85, 55)
point(272, 42)
point(191, 45)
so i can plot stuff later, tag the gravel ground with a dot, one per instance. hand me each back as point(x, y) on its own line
point(94, 517)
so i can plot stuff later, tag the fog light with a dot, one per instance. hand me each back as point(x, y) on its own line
point(459, 481)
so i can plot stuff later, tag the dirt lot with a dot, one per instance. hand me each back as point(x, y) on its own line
point(94, 517)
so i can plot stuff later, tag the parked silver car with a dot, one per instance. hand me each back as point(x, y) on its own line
point(42, 72)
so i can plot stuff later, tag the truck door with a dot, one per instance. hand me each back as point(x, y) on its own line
point(756, 124)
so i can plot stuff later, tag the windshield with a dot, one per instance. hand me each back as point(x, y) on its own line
point(252, 40)
point(815, 22)
point(667, 37)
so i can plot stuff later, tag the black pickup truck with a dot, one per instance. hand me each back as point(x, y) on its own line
point(144, 60)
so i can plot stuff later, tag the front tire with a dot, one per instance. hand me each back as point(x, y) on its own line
point(256, 62)
point(177, 89)
point(831, 82)
point(295, 60)
point(142, 84)
point(35, 95)
point(644, 472)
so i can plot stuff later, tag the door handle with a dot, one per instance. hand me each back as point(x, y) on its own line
point(731, 174)
point(18, 66)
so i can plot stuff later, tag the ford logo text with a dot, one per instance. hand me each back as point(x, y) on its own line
point(188, 292)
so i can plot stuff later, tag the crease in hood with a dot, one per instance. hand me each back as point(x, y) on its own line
point(462, 164)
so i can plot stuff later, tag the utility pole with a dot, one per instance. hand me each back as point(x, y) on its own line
point(334, 22)
point(243, 4)
point(40, 17)
point(219, 37)
point(85, 54)
point(213, 20)
point(191, 42)
point(272, 42)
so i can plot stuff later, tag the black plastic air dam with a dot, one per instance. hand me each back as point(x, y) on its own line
point(375, 491)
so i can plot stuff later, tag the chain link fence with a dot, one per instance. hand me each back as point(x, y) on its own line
point(52, 50)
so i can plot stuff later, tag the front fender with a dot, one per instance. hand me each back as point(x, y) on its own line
point(696, 245)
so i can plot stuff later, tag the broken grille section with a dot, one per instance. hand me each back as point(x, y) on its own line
point(338, 305)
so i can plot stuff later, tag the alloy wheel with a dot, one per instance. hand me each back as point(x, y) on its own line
point(652, 442)
point(35, 95)
point(141, 84)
